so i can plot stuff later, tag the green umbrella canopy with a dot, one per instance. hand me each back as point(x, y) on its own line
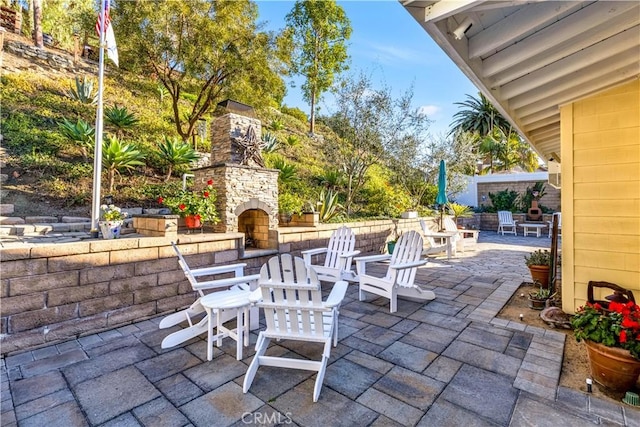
point(442, 184)
point(442, 191)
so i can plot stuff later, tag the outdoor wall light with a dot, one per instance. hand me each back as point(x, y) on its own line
point(462, 28)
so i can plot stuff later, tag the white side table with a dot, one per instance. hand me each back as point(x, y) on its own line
point(216, 303)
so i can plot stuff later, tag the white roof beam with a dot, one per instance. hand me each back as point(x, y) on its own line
point(540, 123)
point(601, 51)
point(559, 50)
point(574, 25)
point(605, 69)
point(445, 9)
point(541, 115)
point(578, 91)
point(515, 25)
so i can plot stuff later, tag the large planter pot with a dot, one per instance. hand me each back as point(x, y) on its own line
point(540, 274)
point(536, 303)
point(110, 229)
point(192, 221)
point(613, 367)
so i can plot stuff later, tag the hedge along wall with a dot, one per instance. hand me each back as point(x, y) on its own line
point(57, 292)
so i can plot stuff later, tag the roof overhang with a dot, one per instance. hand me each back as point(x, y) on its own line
point(530, 57)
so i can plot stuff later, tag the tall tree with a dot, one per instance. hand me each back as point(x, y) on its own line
point(318, 31)
point(202, 51)
point(37, 23)
point(371, 125)
point(495, 138)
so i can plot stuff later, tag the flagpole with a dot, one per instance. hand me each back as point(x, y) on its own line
point(97, 153)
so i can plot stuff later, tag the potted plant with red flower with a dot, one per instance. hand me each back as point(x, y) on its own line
point(612, 337)
point(195, 206)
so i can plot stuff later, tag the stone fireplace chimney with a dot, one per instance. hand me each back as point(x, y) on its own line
point(247, 193)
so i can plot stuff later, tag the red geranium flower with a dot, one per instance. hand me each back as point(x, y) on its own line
point(160, 200)
point(210, 182)
point(182, 207)
point(623, 336)
point(205, 194)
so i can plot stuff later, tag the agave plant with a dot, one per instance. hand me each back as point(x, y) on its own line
point(270, 143)
point(176, 152)
point(292, 140)
point(80, 132)
point(276, 125)
point(288, 172)
point(83, 91)
point(328, 205)
point(118, 156)
point(120, 118)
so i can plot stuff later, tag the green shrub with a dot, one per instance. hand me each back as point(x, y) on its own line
point(295, 112)
point(504, 200)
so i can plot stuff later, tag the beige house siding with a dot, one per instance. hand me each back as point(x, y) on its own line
point(600, 139)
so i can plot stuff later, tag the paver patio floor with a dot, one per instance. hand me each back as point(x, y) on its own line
point(449, 361)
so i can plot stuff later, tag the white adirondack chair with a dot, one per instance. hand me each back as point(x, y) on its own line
point(401, 274)
point(506, 223)
point(464, 238)
point(293, 309)
point(434, 247)
point(339, 255)
point(559, 215)
point(194, 315)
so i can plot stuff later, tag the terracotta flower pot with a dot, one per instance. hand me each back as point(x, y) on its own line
point(540, 274)
point(613, 367)
point(192, 221)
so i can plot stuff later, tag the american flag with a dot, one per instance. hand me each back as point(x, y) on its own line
point(110, 38)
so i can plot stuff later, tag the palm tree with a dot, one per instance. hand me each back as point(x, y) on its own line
point(479, 117)
point(495, 137)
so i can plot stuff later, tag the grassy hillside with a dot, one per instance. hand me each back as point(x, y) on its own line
point(49, 176)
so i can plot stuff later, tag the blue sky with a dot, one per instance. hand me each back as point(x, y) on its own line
point(388, 44)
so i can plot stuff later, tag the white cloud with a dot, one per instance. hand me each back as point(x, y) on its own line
point(392, 55)
point(429, 110)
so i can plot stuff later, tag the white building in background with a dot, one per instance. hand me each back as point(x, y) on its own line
point(475, 196)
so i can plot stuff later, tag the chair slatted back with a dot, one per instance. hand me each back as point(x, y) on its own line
point(291, 299)
point(185, 268)
point(505, 217)
point(342, 240)
point(408, 249)
point(426, 231)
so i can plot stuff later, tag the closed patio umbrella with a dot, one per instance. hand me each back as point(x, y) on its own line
point(442, 190)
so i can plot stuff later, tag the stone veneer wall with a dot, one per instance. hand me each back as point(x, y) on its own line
point(240, 188)
point(57, 292)
point(223, 130)
point(551, 198)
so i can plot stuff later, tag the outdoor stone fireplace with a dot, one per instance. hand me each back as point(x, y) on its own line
point(247, 192)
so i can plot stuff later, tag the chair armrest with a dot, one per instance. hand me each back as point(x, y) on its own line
point(228, 282)
point(408, 265)
point(372, 258)
point(238, 269)
point(361, 262)
point(316, 251)
point(349, 254)
point(337, 294)
point(255, 296)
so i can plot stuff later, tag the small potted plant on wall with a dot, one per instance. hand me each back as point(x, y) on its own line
point(459, 211)
point(288, 204)
point(539, 263)
point(196, 207)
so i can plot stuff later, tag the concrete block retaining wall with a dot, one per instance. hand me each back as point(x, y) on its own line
point(56, 292)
